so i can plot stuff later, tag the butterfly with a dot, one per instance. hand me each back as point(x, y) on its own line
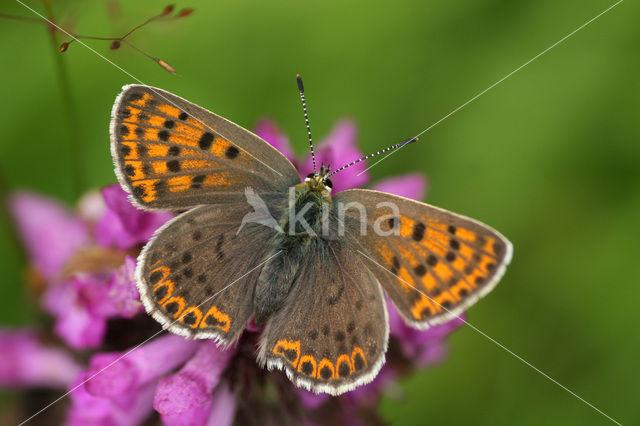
point(250, 240)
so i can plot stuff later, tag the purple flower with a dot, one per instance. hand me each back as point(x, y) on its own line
point(123, 225)
point(88, 282)
point(112, 375)
point(190, 391)
point(83, 303)
point(50, 232)
point(25, 361)
point(422, 347)
point(128, 410)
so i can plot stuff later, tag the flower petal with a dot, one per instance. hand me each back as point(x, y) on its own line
point(196, 416)
point(223, 407)
point(76, 325)
point(336, 150)
point(123, 225)
point(131, 409)
point(25, 361)
point(412, 186)
point(122, 292)
point(194, 383)
point(50, 233)
point(268, 130)
point(114, 373)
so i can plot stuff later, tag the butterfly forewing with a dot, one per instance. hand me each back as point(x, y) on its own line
point(196, 277)
point(432, 263)
point(331, 334)
point(170, 153)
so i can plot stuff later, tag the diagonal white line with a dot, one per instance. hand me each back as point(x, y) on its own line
point(501, 80)
point(140, 344)
point(140, 81)
point(499, 344)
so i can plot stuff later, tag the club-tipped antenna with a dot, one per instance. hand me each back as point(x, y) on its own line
point(366, 157)
point(306, 120)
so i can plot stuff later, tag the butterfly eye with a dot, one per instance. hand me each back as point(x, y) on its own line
point(328, 183)
point(311, 175)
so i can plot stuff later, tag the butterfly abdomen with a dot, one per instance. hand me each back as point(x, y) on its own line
point(276, 278)
point(300, 225)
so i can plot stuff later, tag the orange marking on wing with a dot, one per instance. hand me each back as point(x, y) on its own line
point(133, 114)
point(435, 247)
point(223, 321)
point(133, 151)
point(308, 359)
point(190, 152)
point(420, 249)
point(168, 110)
point(466, 251)
point(429, 282)
point(443, 272)
point(466, 235)
point(133, 118)
point(131, 135)
point(406, 226)
point(356, 353)
point(188, 130)
point(195, 164)
point(436, 235)
point(423, 304)
point(157, 150)
point(385, 252)
point(406, 280)
point(461, 287)
point(159, 167)
point(137, 168)
point(459, 263)
point(218, 179)
point(149, 193)
point(484, 261)
point(164, 270)
point(157, 121)
point(169, 285)
point(445, 297)
point(219, 146)
point(175, 299)
point(489, 246)
point(342, 359)
point(289, 350)
point(326, 364)
point(196, 123)
point(407, 255)
point(197, 312)
point(142, 101)
point(183, 140)
point(179, 183)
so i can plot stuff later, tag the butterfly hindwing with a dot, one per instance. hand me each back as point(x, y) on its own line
point(196, 276)
point(331, 334)
point(433, 264)
point(171, 154)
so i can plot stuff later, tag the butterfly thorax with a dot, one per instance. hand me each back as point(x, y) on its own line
point(303, 222)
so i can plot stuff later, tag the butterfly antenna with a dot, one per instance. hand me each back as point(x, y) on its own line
point(366, 157)
point(306, 120)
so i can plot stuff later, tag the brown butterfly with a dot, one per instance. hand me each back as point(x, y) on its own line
point(254, 241)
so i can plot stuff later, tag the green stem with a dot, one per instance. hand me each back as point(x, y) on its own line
point(75, 147)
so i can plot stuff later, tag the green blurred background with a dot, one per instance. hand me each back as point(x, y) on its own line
point(550, 157)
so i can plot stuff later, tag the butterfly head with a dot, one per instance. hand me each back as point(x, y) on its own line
point(319, 181)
